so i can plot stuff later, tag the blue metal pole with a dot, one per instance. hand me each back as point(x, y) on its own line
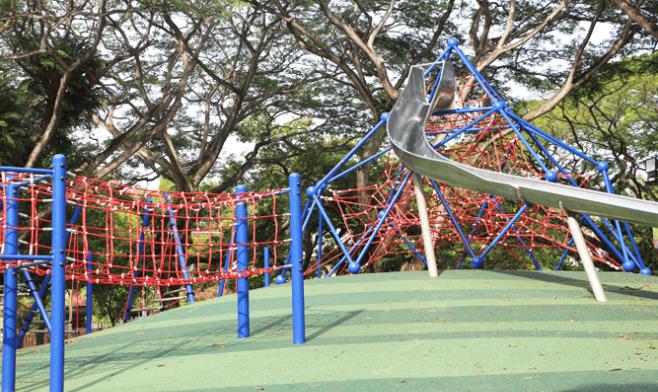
point(493, 96)
point(529, 127)
point(478, 262)
point(354, 266)
point(318, 271)
point(453, 219)
point(461, 110)
point(332, 229)
point(352, 249)
point(443, 56)
point(242, 240)
point(146, 220)
point(388, 208)
point(464, 129)
point(358, 165)
point(408, 243)
point(179, 250)
point(349, 155)
point(58, 272)
point(266, 264)
point(644, 270)
point(37, 300)
point(11, 296)
point(296, 255)
point(474, 227)
point(90, 297)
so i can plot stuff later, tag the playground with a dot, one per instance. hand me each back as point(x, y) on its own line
point(297, 297)
point(466, 330)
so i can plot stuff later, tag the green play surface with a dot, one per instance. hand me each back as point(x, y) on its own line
point(465, 331)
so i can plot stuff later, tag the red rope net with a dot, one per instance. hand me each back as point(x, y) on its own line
point(111, 241)
point(492, 145)
point(125, 235)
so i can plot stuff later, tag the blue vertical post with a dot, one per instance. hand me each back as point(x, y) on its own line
point(146, 221)
point(90, 296)
point(242, 239)
point(266, 264)
point(297, 268)
point(179, 250)
point(58, 272)
point(9, 340)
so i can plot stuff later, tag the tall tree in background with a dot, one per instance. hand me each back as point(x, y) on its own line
point(614, 119)
point(49, 73)
point(371, 45)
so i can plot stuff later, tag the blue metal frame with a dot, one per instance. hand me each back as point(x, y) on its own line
point(525, 132)
point(266, 264)
point(182, 261)
point(58, 272)
point(296, 259)
point(89, 310)
point(9, 341)
point(242, 243)
point(11, 252)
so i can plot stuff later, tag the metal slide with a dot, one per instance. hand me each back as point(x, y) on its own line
point(406, 130)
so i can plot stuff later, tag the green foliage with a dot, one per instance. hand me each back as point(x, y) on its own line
point(28, 90)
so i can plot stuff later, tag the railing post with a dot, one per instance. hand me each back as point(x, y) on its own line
point(9, 340)
point(266, 264)
point(242, 239)
point(58, 272)
point(90, 296)
point(296, 255)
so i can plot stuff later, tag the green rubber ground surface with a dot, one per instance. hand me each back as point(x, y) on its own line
point(465, 331)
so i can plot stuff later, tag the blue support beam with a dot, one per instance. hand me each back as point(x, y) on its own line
point(58, 272)
point(266, 264)
point(242, 243)
point(9, 341)
point(296, 259)
point(182, 262)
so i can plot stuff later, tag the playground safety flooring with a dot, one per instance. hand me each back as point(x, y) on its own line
point(465, 331)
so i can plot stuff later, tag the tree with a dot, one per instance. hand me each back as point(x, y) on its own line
point(615, 119)
point(371, 45)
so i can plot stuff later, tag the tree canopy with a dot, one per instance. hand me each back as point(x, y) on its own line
point(147, 89)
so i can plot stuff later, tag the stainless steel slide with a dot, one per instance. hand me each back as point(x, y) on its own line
point(406, 130)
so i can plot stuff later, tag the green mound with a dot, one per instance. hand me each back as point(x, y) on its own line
point(466, 330)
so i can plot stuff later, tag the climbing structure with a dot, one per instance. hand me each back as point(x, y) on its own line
point(481, 131)
point(123, 235)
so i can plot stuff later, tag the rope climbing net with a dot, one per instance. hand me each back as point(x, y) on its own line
point(486, 142)
point(125, 235)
